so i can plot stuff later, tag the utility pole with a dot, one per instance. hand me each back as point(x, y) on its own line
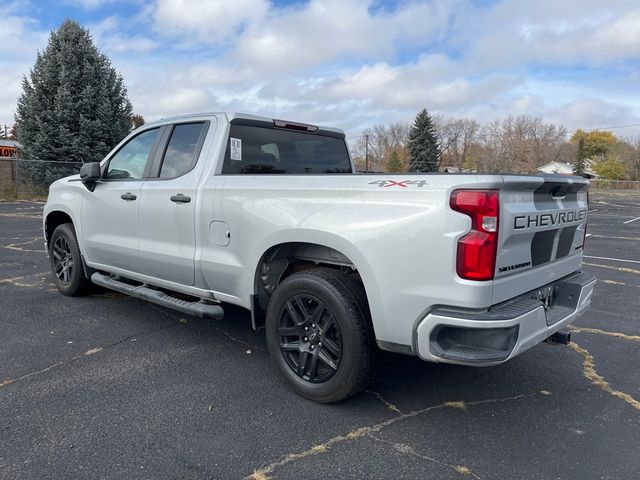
point(366, 152)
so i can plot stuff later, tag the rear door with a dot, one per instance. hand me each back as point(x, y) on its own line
point(168, 202)
point(541, 235)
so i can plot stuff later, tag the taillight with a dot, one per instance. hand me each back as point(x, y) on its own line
point(477, 250)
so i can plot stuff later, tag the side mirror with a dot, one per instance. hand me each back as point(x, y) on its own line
point(90, 174)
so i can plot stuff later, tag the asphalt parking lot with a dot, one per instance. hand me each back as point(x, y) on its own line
point(108, 386)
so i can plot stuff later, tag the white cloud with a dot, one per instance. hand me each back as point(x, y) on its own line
point(328, 30)
point(109, 36)
point(210, 21)
point(352, 63)
point(551, 32)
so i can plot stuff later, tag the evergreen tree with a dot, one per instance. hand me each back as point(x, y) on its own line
point(581, 164)
point(73, 106)
point(423, 144)
point(393, 163)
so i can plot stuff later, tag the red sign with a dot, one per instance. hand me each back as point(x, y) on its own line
point(7, 151)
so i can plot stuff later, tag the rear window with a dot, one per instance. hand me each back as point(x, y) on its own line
point(252, 149)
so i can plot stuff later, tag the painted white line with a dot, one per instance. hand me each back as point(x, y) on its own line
point(632, 220)
point(588, 235)
point(594, 210)
point(612, 204)
point(612, 259)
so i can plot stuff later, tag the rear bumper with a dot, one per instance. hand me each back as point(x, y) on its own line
point(496, 335)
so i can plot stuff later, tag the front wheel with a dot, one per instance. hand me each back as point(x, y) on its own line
point(319, 336)
point(66, 262)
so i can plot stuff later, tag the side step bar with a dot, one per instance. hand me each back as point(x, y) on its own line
point(197, 309)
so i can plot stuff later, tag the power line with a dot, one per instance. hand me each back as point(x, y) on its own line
point(618, 126)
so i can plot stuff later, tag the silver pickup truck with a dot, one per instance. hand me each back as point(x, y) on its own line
point(197, 211)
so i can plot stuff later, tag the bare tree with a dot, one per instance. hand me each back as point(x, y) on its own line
point(457, 137)
point(381, 139)
point(511, 145)
point(520, 144)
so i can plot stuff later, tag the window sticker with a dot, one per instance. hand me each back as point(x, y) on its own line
point(236, 149)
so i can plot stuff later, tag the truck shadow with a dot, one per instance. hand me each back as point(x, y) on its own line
point(414, 383)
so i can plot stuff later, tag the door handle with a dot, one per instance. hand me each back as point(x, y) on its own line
point(180, 198)
point(128, 196)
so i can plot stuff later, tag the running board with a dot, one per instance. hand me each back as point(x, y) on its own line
point(197, 309)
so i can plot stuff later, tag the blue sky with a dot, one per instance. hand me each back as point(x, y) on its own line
point(353, 63)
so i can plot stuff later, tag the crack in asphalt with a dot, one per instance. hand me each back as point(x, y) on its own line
point(92, 351)
point(597, 331)
point(408, 450)
point(264, 472)
point(389, 405)
point(589, 371)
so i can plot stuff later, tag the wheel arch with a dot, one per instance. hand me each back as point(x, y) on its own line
point(281, 259)
point(54, 219)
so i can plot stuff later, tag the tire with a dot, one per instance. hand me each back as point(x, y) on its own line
point(67, 265)
point(332, 359)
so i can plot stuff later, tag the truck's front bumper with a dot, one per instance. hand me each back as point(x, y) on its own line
point(500, 333)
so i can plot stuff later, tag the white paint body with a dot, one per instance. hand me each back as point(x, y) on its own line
point(402, 240)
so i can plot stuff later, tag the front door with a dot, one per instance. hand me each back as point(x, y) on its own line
point(168, 201)
point(110, 228)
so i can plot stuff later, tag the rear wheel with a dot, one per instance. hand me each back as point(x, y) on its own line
point(66, 262)
point(319, 336)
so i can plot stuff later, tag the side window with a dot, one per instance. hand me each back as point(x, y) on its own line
point(130, 160)
point(181, 153)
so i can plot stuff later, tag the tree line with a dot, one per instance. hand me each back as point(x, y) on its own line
point(515, 144)
point(74, 107)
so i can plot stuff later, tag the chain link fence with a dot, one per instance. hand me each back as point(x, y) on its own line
point(30, 179)
point(615, 185)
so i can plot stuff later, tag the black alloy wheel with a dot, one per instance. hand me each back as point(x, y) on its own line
point(62, 261)
point(310, 338)
point(67, 264)
point(319, 334)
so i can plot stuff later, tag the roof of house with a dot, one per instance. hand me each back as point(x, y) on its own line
point(5, 142)
point(557, 167)
point(567, 168)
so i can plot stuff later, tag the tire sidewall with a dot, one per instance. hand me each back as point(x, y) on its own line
point(345, 313)
point(77, 274)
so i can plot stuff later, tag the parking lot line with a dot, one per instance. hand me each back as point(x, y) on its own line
point(612, 259)
point(632, 220)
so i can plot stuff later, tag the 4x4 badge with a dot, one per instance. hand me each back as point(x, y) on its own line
point(399, 183)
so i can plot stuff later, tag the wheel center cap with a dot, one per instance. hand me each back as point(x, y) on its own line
point(314, 337)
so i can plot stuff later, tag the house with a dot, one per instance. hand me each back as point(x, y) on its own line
point(567, 168)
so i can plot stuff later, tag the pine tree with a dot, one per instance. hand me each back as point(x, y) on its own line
point(393, 162)
point(423, 144)
point(73, 106)
point(580, 165)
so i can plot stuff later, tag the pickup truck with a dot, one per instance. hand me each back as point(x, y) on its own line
point(197, 211)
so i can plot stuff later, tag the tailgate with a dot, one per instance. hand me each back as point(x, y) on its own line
point(541, 233)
